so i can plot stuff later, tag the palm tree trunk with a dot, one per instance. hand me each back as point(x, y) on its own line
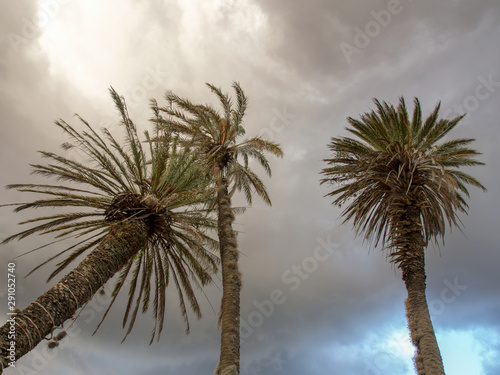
point(229, 362)
point(427, 359)
point(61, 302)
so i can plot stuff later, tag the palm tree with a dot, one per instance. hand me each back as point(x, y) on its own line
point(216, 137)
point(140, 212)
point(402, 187)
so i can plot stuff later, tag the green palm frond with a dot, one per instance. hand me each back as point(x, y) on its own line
point(155, 181)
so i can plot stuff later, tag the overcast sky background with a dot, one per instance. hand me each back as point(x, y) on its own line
point(305, 67)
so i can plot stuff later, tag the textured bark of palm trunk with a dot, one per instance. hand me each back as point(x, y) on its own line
point(229, 362)
point(428, 360)
point(61, 302)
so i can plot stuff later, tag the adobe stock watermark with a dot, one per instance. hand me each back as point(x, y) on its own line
point(34, 25)
point(279, 122)
point(293, 278)
point(448, 295)
point(484, 90)
point(139, 93)
point(383, 360)
point(364, 36)
point(40, 356)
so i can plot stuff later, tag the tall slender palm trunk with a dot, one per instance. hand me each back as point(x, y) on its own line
point(61, 302)
point(229, 362)
point(428, 360)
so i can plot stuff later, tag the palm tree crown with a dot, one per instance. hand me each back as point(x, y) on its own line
point(161, 187)
point(217, 137)
point(397, 160)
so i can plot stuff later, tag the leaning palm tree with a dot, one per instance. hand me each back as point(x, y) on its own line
point(141, 212)
point(402, 185)
point(216, 137)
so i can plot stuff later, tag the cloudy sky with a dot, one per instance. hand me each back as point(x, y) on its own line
point(316, 300)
